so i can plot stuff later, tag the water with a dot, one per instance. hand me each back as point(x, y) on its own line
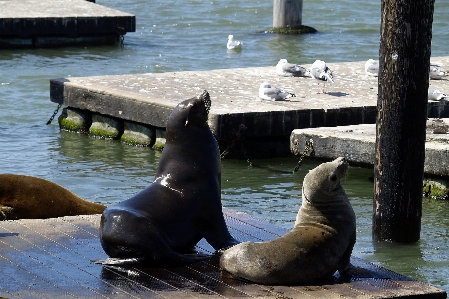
point(191, 35)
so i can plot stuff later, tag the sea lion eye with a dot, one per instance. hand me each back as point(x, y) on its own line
point(333, 178)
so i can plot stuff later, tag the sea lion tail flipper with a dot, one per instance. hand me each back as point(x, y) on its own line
point(111, 261)
point(172, 258)
point(5, 212)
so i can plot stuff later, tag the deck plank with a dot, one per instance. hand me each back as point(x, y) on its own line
point(53, 258)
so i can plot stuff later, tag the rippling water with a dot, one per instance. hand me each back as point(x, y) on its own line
point(191, 35)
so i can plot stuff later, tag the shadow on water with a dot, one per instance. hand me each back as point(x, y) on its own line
point(406, 259)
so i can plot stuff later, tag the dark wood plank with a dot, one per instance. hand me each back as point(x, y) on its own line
point(53, 258)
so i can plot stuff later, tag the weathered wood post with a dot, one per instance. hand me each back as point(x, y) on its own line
point(404, 61)
point(287, 13)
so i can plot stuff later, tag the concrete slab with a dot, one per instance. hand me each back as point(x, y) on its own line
point(357, 143)
point(52, 258)
point(149, 99)
point(41, 23)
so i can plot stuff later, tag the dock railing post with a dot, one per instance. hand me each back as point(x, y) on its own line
point(404, 61)
point(287, 13)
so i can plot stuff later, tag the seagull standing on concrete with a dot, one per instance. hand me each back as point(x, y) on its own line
point(286, 69)
point(372, 67)
point(233, 44)
point(271, 93)
point(321, 72)
point(436, 73)
point(433, 94)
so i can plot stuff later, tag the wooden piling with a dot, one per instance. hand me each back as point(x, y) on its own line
point(404, 60)
point(287, 13)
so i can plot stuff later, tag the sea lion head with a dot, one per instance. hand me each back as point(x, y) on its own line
point(323, 182)
point(194, 111)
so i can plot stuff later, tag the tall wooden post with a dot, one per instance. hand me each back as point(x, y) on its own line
point(404, 60)
point(287, 13)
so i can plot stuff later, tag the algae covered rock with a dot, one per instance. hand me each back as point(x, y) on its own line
point(74, 120)
point(137, 134)
point(105, 127)
point(436, 188)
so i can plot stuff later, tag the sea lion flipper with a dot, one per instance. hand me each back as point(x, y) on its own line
point(5, 212)
point(345, 263)
point(169, 258)
point(110, 261)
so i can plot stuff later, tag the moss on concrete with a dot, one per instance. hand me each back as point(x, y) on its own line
point(74, 120)
point(70, 125)
point(436, 188)
point(133, 141)
point(158, 146)
point(103, 133)
point(138, 134)
point(105, 127)
point(293, 30)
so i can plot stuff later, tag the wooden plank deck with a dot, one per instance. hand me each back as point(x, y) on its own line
point(52, 259)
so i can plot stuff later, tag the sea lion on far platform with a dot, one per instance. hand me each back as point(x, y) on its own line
point(161, 224)
point(28, 197)
point(319, 244)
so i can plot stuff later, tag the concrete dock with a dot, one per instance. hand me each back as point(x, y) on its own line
point(149, 99)
point(52, 258)
point(357, 144)
point(50, 23)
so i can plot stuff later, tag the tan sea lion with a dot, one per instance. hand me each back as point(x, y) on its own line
point(28, 197)
point(161, 224)
point(320, 243)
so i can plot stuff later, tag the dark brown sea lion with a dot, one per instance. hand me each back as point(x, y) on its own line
point(320, 243)
point(28, 197)
point(161, 224)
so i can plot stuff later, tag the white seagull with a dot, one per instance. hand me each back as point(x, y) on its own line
point(436, 73)
point(286, 69)
point(233, 44)
point(321, 72)
point(372, 67)
point(433, 94)
point(271, 93)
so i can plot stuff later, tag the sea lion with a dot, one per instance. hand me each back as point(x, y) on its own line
point(320, 242)
point(28, 197)
point(161, 224)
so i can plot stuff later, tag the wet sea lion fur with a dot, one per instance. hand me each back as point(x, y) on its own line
point(161, 224)
point(29, 197)
point(320, 243)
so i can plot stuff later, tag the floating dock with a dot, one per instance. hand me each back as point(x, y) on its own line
point(51, 23)
point(357, 144)
point(52, 258)
point(149, 98)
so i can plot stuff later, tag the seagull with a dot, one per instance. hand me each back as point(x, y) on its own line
point(286, 69)
point(436, 73)
point(271, 93)
point(321, 72)
point(433, 94)
point(233, 44)
point(372, 67)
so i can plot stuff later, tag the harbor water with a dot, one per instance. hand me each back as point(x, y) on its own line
point(190, 35)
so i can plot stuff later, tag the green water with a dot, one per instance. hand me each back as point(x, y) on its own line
point(191, 35)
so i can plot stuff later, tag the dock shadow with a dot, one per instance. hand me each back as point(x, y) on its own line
point(5, 235)
point(338, 94)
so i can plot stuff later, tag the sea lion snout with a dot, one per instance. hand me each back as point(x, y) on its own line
point(342, 167)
